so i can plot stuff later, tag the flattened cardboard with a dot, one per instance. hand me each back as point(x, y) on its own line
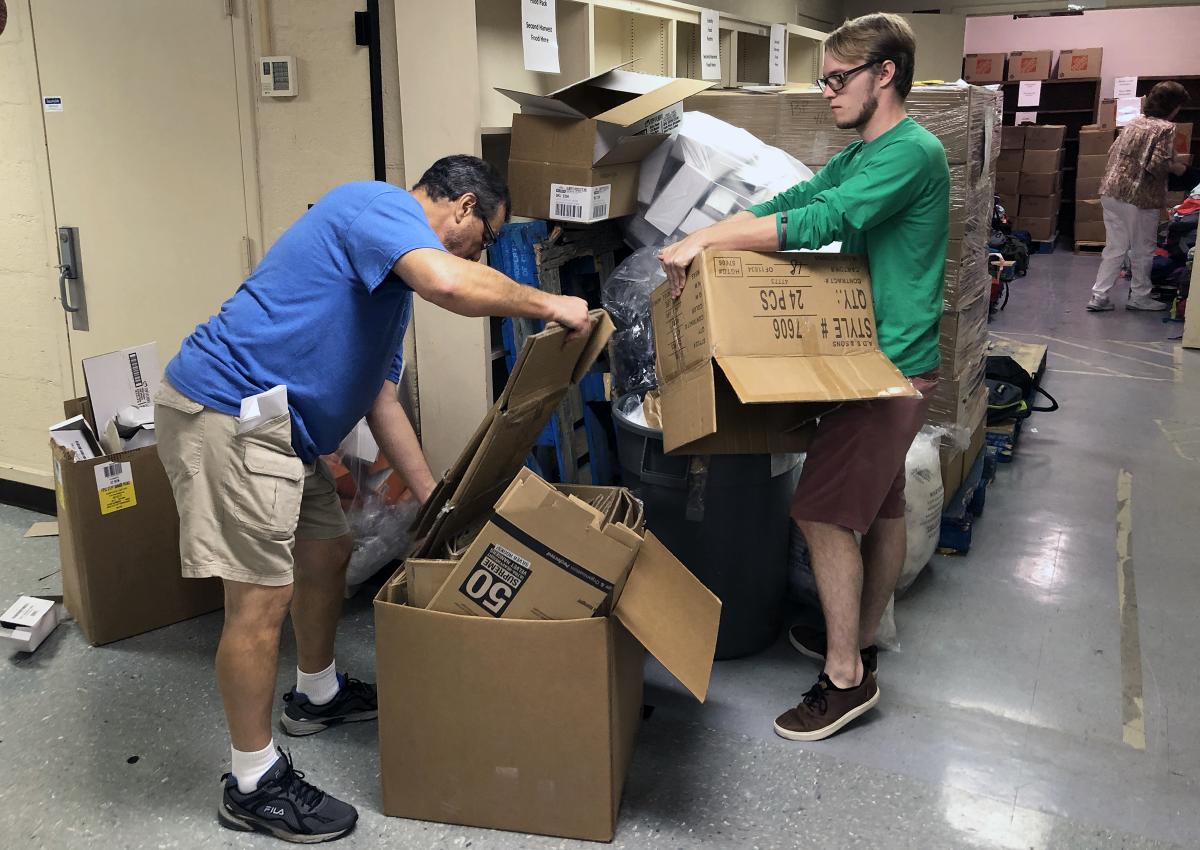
point(1029, 64)
point(121, 571)
point(1106, 114)
point(758, 344)
point(1079, 63)
point(984, 67)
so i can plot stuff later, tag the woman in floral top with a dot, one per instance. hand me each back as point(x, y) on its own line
point(1133, 192)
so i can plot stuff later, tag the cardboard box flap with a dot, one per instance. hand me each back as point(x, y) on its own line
point(631, 149)
point(672, 614)
point(689, 407)
point(548, 361)
point(863, 375)
point(541, 104)
point(645, 105)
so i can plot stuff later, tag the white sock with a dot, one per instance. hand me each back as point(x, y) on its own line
point(248, 768)
point(321, 687)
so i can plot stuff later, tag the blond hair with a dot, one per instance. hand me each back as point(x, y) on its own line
point(874, 38)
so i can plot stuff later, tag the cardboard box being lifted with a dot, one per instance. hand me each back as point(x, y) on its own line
point(575, 152)
point(524, 725)
point(760, 344)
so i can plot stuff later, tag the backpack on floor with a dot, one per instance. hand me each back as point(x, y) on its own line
point(1011, 391)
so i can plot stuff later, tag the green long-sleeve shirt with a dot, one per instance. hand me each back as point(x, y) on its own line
point(889, 199)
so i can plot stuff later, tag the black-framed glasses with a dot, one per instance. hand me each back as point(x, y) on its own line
point(837, 81)
point(489, 235)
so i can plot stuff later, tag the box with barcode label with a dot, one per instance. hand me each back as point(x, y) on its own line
point(119, 543)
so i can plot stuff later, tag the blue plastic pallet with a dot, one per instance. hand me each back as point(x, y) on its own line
point(958, 519)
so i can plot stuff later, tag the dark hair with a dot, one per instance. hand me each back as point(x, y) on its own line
point(451, 177)
point(1164, 99)
point(874, 38)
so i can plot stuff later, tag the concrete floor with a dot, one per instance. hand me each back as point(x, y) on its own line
point(1001, 724)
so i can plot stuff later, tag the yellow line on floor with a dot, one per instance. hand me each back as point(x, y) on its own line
point(1133, 718)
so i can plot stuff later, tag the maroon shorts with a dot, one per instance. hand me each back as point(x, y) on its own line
point(854, 471)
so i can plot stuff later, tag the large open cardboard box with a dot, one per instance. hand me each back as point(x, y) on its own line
point(758, 345)
point(523, 725)
point(575, 152)
point(119, 544)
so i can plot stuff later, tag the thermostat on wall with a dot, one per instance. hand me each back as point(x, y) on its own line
point(278, 76)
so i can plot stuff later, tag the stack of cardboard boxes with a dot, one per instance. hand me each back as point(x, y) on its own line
point(1094, 145)
point(1039, 181)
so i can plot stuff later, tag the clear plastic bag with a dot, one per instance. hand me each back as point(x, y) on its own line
point(705, 172)
point(626, 297)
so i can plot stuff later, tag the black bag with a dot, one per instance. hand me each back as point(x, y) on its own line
point(1011, 391)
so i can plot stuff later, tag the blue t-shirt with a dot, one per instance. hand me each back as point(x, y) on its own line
point(322, 314)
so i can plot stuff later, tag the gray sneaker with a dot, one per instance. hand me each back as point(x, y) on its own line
point(1147, 304)
point(1099, 304)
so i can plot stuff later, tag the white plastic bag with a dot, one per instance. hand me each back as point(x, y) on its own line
point(923, 497)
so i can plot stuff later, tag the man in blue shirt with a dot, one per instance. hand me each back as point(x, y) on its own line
point(320, 323)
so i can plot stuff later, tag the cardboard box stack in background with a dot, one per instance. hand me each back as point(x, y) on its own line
point(118, 528)
point(492, 711)
point(1040, 184)
point(1008, 169)
point(1094, 145)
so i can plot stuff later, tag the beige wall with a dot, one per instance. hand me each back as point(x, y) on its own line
point(805, 12)
point(33, 380)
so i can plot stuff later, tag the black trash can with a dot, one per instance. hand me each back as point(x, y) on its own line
point(726, 517)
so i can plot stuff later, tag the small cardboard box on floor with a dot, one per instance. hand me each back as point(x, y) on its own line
point(576, 152)
point(528, 724)
point(758, 345)
point(119, 544)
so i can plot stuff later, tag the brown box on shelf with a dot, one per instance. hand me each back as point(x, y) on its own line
point(1106, 114)
point(1091, 165)
point(1039, 206)
point(1010, 160)
point(1090, 231)
point(1012, 138)
point(1029, 64)
point(1040, 184)
point(1011, 203)
point(1073, 64)
point(1041, 161)
point(984, 67)
point(1044, 137)
point(1008, 183)
point(1040, 229)
point(1094, 141)
point(1088, 188)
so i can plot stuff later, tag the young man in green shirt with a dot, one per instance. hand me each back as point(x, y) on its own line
point(887, 196)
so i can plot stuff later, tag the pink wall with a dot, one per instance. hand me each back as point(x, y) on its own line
point(1149, 42)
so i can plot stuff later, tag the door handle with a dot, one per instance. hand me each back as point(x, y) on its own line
point(68, 264)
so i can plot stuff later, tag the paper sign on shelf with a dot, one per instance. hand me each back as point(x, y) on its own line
point(710, 45)
point(52, 104)
point(1125, 87)
point(539, 36)
point(1128, 108)
point(1025, 118)
point(114, 483)
point(1030, 93)
point(778, 54)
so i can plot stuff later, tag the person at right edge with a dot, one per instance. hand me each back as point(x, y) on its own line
point(886, 196)
point(1132, 193)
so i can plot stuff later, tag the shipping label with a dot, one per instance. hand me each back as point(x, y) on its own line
point(114, 484)
point(584, 204)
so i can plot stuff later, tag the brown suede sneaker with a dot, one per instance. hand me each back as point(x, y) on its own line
point(811, 642)
point(825, 709)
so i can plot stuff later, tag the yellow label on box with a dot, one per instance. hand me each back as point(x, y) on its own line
point(114, 483)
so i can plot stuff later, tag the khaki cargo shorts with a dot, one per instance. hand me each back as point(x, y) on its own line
point(243, 499)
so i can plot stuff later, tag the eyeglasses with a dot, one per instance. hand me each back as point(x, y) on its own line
point(836, 82)
point(489, 235)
